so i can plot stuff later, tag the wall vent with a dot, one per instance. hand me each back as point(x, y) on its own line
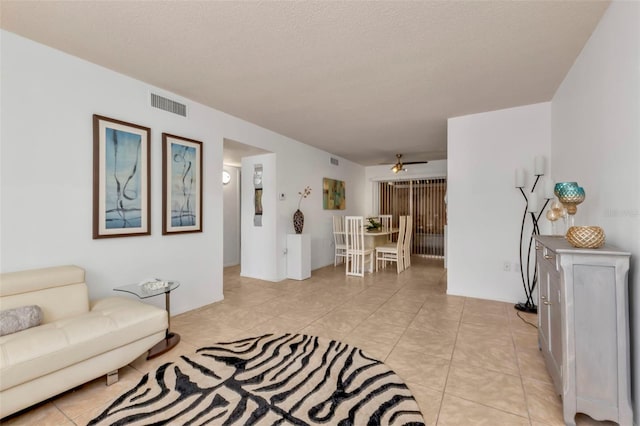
point(168, 105)
point(334, 161)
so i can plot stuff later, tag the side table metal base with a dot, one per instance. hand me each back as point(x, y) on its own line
point(165, 345)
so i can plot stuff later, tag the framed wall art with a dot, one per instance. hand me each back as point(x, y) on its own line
point(257, 199)
point(333, 194)
point(121, 178)
point(181, 185)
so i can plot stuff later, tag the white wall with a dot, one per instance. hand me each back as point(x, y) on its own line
point(596, 142)
point(48, 99)
point(259, 259)
point(484, 208)
point(231, 217)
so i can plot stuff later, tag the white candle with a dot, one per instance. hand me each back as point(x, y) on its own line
point(549, 186)
point(539, 165)
point(519, 178)
point(532, 205)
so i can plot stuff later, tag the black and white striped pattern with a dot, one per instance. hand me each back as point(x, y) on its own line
point(290, 379)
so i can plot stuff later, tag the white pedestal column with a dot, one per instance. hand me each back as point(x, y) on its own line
point(298, 256)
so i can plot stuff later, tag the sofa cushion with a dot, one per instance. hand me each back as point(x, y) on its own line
point(60, 291)
point(40, 279)
point(112, 322)
point(21, 318)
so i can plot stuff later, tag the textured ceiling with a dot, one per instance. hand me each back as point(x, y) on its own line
point(362, 80)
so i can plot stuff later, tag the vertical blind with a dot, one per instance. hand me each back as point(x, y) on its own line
point(423, 200)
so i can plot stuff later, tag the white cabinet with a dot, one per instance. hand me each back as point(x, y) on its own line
point(298, 256)
point(583, 326)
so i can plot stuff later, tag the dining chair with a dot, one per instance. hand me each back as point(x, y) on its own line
point(386, 221)
point(339, 240)
point(392, 252)
point(406, 251)
point(356, 250)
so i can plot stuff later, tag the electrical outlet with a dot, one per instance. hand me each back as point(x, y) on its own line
point(506, 266)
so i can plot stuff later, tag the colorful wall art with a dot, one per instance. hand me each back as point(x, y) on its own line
point(333, 194)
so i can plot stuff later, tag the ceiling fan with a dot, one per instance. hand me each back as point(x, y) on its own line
point(399, 166)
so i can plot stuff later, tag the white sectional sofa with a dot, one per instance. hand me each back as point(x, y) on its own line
point(77, 341)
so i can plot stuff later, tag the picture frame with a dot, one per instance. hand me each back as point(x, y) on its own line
point(121, 178)
point(333, 194)
point(181, 185)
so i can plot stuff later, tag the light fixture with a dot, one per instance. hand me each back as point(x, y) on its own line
point(226, 177)
point(398, 167)
point(527, 253)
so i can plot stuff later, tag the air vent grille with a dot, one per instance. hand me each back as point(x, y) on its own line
point(334, 161)
point(168, 105)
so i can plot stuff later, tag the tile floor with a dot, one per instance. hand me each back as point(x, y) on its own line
point(467, 361)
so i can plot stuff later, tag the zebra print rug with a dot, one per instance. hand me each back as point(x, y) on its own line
point(289, 379)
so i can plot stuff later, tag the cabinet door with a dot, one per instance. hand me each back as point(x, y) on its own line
point(549, 314)
point(555, 323)
point(596, 341)
point(543, 297)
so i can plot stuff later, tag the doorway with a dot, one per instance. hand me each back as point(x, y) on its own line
point(423, 200)
point(232, 153)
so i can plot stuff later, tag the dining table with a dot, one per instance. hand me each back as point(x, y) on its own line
point(377, 237)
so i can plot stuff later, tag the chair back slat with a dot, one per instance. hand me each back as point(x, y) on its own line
point(354, 231)
point(407, 242)
point(338, 231)
point(339, 240)
point(388, 253)
point(385, 221)
point(400, 242)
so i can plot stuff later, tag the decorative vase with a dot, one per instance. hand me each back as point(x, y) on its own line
point(586, 236)
point(298, 221)
point(570, 195)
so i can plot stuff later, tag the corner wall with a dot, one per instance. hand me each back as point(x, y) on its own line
point(484, 207)
point(596, 142)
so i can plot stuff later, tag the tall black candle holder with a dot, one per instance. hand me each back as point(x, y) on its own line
point(529, 277)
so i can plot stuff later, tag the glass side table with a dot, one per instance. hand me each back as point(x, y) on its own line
point(150, 289)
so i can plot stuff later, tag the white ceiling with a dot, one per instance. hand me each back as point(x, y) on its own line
point(362, 80)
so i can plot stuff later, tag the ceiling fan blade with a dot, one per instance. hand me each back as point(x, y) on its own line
point(399, 164)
